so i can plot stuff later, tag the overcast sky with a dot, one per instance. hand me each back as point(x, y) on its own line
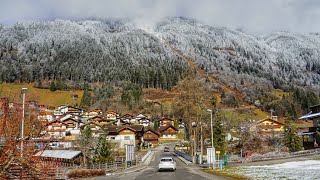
point(249, 15)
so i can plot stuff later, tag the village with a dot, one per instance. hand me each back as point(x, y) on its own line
point(61, 130)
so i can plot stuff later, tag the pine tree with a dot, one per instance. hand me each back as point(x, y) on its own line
point(53, 86)
point(102, 152)
point(86, 142)
point(291, 140)
point(86, 99)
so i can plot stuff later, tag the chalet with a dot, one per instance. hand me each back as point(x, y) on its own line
point(95, 127)
point(125, 135)
point(138, 117)
point(151, 137)
point(268, 125)
point(166, 122)
point(168, 132)
point(144, 122)
point(73, 126)
point(56, 129)
point(97, 119)
point(309, 135)
point(93, 113)
point(111, 115)
point(61, 110)
point(127, 118)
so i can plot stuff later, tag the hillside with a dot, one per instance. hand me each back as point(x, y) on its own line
point(42, 96)
point(240, 65)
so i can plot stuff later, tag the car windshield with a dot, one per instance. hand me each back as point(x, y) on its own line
point(166, 160)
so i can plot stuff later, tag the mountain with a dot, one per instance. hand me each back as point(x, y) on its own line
point(124, 50)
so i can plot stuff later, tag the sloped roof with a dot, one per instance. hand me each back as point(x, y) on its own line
point(152, 131)
point(163, 128)
point(61, 154)
point(310, 116)
point(269, 119)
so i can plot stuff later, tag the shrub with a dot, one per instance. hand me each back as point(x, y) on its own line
point(82, 173)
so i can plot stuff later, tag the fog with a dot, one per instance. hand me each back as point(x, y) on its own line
point(248, 15)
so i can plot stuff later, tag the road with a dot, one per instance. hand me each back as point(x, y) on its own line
point(151, 172)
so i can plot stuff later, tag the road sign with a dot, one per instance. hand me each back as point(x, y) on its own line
point(217, 152)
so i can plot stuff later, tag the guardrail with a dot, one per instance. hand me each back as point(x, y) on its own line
point(146, 156)
point(184, 155)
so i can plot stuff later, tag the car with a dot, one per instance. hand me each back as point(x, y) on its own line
point(166, 149)
point(167, 163)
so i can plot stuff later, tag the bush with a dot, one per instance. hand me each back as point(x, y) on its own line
point(83, 173)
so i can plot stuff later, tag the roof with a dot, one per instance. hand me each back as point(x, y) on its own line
point(310, 116)
point(269, 119)
point(163, 128)
point(137, 127)
point(61, 154)
point(165, 119)
point(152, 131)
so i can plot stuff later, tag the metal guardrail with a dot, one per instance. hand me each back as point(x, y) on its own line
point(146, 156)
point(184, 155)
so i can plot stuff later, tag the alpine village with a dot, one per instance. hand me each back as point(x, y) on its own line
point(91, 97)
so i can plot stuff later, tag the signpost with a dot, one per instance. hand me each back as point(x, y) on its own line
point(129, 153)
point(218, 154)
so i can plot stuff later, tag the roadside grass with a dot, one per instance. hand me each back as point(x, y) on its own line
point(228, 172)
point(43, 96)
point(317, 159)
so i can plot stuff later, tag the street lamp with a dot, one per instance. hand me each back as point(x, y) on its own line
point(23, 92)
point(212, 148)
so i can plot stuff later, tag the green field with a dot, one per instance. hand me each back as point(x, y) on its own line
point(43, 96)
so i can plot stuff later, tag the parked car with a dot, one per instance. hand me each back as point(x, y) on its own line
point(167, 163)
point(166, 149)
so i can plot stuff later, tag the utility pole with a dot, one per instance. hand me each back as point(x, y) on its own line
point(212, 146)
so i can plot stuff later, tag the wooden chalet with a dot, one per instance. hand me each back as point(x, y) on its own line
point(268, 125)
point(151, 137)
point(168, 132)
point(111, 115)
point(166, 122)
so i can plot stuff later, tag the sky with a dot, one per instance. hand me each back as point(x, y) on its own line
point(248, 15)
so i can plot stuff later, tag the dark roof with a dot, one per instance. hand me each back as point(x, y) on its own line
point(111, 129)
point(137, 127)
point(163, 128)
point(165, 119)
point(152, 131)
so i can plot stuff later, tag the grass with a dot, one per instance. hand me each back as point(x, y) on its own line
point(279, 93)
point(43, 96)
point(226, 172)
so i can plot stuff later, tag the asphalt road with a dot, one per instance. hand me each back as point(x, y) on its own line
point(183, 171)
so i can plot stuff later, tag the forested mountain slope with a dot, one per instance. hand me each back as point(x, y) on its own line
point(121, 50)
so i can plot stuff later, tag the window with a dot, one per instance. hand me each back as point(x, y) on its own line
point(126, 137)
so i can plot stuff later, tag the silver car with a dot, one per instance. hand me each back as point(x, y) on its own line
point(167, 163)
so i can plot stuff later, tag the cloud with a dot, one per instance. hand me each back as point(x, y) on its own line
point(250, 15)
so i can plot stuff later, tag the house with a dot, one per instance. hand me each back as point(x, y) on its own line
point(125, 135)
point(309, 135)
point(61, 110)
point(95, 127)
point(56, 129)
point(127, 118)
point(111, 115)
point(151, 137)
point(144, 122)
point(166, 122)
point(73, 126)
point(168, 132)
point(268, 125)
point(92, 113)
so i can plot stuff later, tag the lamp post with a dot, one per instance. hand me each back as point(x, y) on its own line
point(194, 125)
point(212, 148)
point(23, 92)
